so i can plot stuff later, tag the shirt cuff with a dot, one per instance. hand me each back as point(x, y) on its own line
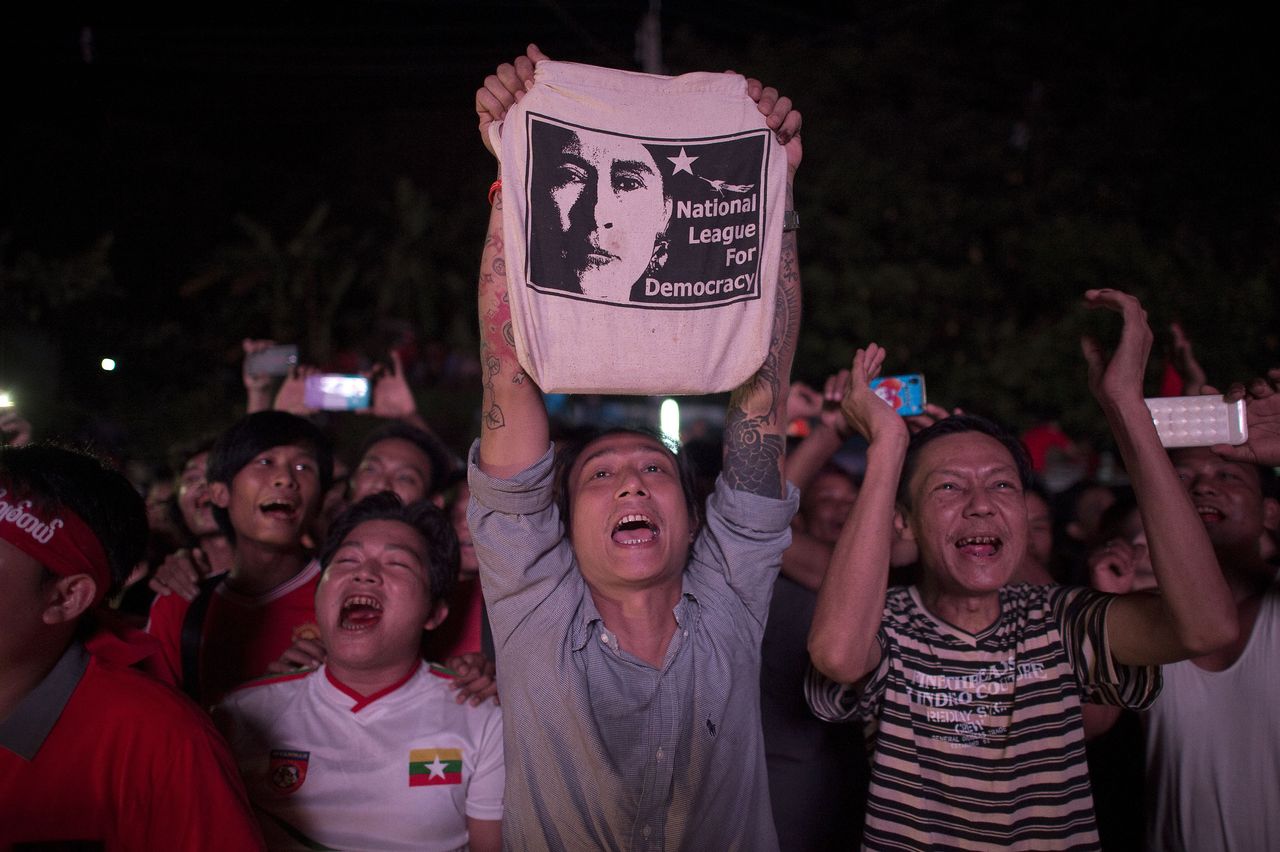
point(526, 493)
point(755, 511)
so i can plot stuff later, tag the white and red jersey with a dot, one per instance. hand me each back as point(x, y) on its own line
point(401, 769)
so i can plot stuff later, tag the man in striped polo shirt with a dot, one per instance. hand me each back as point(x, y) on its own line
point(971, 689)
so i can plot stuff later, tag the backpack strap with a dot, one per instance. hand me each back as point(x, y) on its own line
point(193, 633)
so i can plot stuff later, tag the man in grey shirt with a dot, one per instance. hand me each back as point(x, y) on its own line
point(628, 632)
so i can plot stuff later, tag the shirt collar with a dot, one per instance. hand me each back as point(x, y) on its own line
point(29, 725)
point(363, 701)
point(584, 627)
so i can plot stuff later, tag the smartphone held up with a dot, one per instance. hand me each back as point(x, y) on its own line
point(337, 392)
point(905, 394)
point(1198, 421)
point(272, 361)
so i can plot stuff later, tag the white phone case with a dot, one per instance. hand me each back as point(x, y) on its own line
point(1198, 421)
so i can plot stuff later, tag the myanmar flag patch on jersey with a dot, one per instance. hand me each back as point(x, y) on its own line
point(430, 767)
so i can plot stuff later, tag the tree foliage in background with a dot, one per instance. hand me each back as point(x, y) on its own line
point(971, 169)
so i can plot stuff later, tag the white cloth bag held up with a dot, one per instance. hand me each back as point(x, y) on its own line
point(642, 218)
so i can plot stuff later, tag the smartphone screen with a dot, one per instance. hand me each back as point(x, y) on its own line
point(904, 393)
point(336, 392)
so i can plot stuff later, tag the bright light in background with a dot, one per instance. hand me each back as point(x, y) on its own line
point(108, 364)
point(669, 422)
point(6, 399)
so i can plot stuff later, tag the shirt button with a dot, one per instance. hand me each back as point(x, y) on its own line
point(686, 633)
point(645, 831)
point(604, 637)
point(660, 753)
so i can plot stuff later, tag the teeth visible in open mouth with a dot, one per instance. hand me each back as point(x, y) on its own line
point(360, 612)
point(978, 540)
point(276, 506)
point(635, 529)
point(634, 521)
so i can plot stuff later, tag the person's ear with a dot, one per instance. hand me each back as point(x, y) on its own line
point(1271, 514)
point(219, 494)
point(68, 598)
point(438, 614)
point(902, 526)
point(437, 500)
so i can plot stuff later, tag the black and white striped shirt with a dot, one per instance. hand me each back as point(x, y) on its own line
point(977, 739)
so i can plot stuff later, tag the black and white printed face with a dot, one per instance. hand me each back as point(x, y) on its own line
point(644, 222)
point(610, 210)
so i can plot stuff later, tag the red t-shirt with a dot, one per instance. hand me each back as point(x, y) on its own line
point(460, 631)
point(128, 763)
point(242, 634)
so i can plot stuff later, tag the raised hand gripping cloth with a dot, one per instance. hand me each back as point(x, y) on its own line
point(642, 218)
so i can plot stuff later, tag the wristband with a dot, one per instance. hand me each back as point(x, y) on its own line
point(790, 220)
point(494, 189)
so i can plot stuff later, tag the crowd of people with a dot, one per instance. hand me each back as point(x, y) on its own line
point(568, 639)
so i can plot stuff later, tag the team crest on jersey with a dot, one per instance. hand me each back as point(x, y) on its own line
point(288, 769)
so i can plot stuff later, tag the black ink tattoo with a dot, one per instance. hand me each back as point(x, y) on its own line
point(754, 443)
point(753, 457)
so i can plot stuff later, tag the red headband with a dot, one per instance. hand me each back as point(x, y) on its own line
point(62, 543)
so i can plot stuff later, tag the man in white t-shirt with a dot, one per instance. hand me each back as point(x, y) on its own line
point(1212, 742)
point(371, 750)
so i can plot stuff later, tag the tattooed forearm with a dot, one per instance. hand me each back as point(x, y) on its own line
point(755, 424)
point(753, 456)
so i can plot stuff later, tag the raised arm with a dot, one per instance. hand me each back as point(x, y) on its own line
point(805, 560)
point(828, 433)
point(842, 638)
point(756, 422)
point(1193, 614)
point(513, 428)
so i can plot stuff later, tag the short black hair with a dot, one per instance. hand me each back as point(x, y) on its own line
point(54, 477)
point(569, 453)
point(959, 424)
point(256, 433)
point(430, 522)
point(438, 462)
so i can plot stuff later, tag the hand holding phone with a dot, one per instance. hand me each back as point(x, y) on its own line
point(905, 394)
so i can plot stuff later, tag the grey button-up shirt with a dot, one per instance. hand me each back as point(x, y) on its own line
point(604, 751)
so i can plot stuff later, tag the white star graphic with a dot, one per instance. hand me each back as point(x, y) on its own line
point(435, 768)
point(683, 163)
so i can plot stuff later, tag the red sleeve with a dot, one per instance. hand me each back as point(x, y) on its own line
point(194, 797)
point(165, 624)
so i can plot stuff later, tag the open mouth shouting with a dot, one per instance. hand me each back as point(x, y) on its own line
point(360, 612)
point(635, 529)
point(279, 508)
point(980, 546)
